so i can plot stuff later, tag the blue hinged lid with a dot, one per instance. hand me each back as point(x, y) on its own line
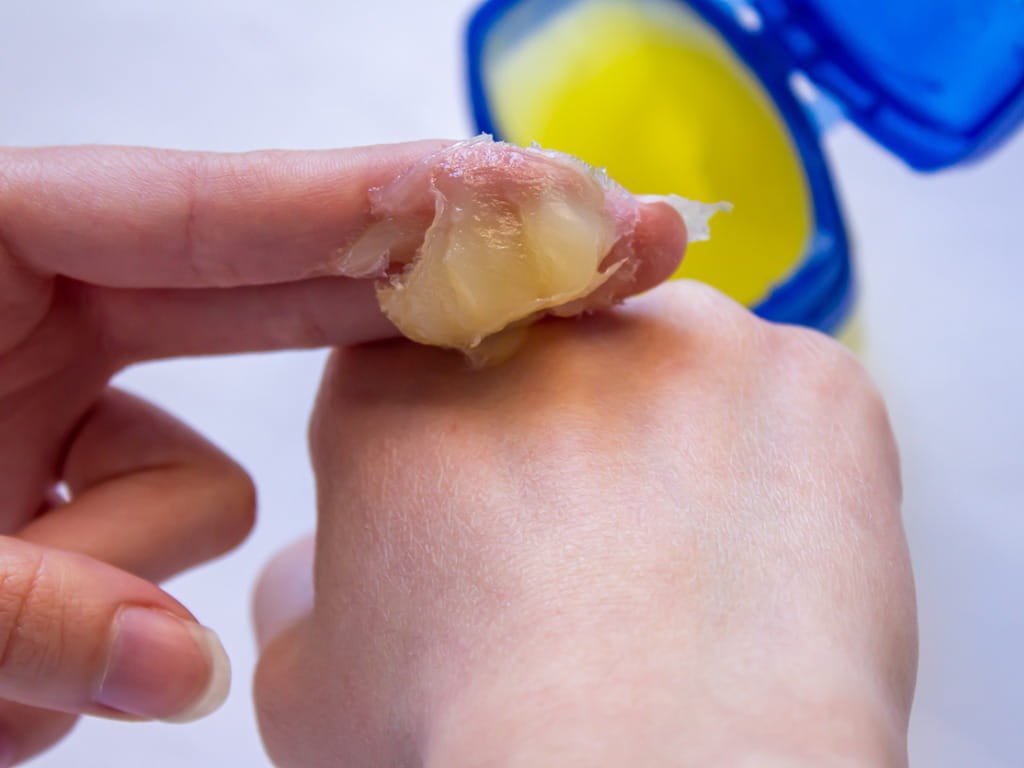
point(935, 81)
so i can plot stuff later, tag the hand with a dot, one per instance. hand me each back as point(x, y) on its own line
point(668, 536)
point(109, 256)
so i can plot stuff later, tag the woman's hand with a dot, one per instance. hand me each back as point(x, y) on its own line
point(666, 536)
point(110, 256)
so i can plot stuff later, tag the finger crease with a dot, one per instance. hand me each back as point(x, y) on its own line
point(24, 598)
point(189, 241)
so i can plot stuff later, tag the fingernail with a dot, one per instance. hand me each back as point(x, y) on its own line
point(163, 668)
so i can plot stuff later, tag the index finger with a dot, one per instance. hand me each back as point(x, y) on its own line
point(126, 217)
point(184, 253)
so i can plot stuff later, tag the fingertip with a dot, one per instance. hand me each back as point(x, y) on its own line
point(161, 667)
point(218, 684)
point(659, 242)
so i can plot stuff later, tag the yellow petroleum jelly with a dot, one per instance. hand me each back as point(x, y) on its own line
point(650, 92)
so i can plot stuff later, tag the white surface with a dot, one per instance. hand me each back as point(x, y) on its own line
point(942, 261)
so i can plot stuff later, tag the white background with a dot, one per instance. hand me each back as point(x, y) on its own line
point(941, 257)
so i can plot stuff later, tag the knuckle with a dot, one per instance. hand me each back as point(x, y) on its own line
point(707, 317)
point(823, 365)
point(693, 295)
point(826, 377)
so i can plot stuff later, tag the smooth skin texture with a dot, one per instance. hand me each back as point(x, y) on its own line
point(664, 536)
point(110, 256)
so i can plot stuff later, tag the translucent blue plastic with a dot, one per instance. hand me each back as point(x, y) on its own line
point(935, 81)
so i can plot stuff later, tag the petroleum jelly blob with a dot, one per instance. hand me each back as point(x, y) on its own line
point(485, 236)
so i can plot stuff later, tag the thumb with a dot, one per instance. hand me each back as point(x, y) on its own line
point(81, 636)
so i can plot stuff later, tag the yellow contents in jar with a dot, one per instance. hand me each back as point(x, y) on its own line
point(648, 90)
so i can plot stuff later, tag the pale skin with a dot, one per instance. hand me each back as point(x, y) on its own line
point(111, 256)
point(666, 536)
point(477, 625)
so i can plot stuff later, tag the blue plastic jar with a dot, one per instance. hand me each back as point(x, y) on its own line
point(938, 83)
